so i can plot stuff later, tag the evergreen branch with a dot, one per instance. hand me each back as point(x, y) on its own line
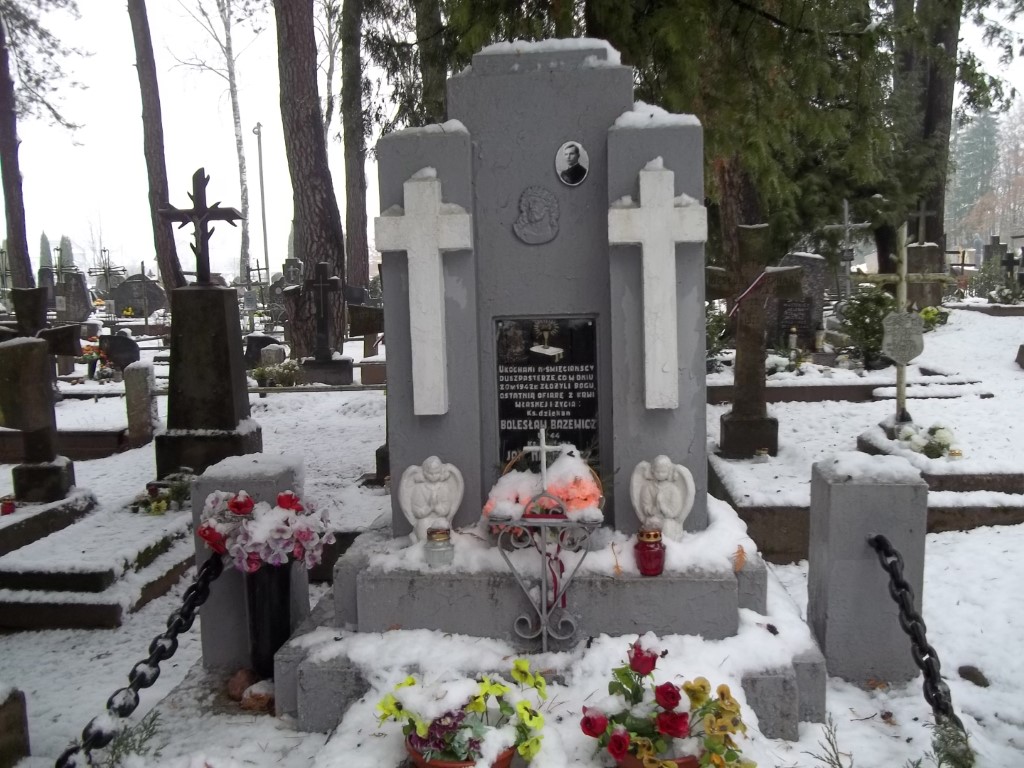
point(777, 21)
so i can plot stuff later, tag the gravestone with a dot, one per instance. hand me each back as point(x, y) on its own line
point(994, 251)
point(77, 301)
point(27, 396)
point(207, 397)
point(805, 312)
point(499, 277)
point(275, 305)
point(255, 343)
point(46, 279)
point(324, 368)
point(120, 350)
point(143, 295)
point(291, 272)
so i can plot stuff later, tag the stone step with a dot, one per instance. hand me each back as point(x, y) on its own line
point(93, 553)
point(32, 610)
point(75, 444)
point(31, 522)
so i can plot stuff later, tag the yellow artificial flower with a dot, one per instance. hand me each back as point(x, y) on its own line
point(529, 748)
point(723, 692)
point(389, 707)
point(541, 686)
point(530, 717)
point(644, 747)
point(654, 762)
point(422, 727)
point(477, 704)
point(521, 672)
point(491, 688)
point(717, 760)
point(697, 692)
point(410, 680)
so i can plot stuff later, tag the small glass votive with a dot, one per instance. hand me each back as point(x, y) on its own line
point(761, 456)
point(438, 549)
point(955, 454)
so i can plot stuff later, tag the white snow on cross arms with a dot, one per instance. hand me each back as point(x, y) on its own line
point(424, 228)
point(657, 224)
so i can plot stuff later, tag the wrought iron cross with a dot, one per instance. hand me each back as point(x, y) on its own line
point(199, 215)
point(322, 285)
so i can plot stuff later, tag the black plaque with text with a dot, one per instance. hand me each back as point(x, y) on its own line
point(795, 313)
point(547, 377)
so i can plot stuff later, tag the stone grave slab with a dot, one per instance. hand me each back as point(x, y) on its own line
point(14, 737)
point(30, 522)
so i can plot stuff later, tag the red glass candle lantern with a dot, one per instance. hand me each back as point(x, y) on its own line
point(7, 505)
point(650, 553)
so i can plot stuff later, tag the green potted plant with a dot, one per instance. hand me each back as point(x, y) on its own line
point(454, 723)
point(861, 320)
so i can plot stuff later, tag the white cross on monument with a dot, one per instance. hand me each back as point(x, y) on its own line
point(657, 224)
point(424, 229)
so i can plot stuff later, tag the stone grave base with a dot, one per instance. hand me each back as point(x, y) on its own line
point(44, 483)
point(316, 686)
point(329, 372)
point(996, 310)
point(743, 436)
point(201, 449)
point(373, 373)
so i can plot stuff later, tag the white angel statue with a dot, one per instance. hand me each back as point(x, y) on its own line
point(662, 494)
point(429, 495)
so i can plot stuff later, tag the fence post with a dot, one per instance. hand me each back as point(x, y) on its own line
point(855, 621)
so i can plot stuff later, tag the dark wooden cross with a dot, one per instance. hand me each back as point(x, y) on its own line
point(200, 215)
point(322, 285)
point(961, 276)
point(921, 215)
point(259, 274)
point(747, 285)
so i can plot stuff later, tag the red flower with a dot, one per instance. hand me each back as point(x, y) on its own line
point(241, 504)
point(213, 537)
point(618, 744)
point(594, 722)
point(289, 500)
point(673, 724)
point(252, 562)
point(641, 660)
point(667, 695)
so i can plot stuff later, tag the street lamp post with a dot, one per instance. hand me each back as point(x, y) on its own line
point(258, 130)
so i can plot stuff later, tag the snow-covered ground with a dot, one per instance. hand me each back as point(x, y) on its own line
point(973, 603)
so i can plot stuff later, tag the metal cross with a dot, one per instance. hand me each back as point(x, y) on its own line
point(199, 215)
point(322, 285)
point(259, 274)
point(847, 253)
point(542, 450)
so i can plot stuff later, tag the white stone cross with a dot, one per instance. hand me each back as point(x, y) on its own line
point(657, 224)
point(424, 229)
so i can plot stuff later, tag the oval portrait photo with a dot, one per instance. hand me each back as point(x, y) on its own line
point(572, 163)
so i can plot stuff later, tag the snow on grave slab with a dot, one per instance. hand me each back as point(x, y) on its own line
point(38, 609)
point(30, 522)
point(93, 553)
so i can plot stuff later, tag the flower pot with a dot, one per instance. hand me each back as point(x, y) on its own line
point(268, 598)
point(632, 761)
point(504, 760)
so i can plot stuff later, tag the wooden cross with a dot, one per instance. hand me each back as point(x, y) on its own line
point(425, 229)
point(199, 215)
point(847, 253)
point(322, 285)
point(259, 274)
point(921, 215)
point(961, 277)
point(657, 224)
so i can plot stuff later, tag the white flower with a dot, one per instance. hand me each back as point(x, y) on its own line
point(943, 437)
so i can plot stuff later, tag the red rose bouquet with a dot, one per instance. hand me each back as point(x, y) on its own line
point(666, 719)
point(253, 534)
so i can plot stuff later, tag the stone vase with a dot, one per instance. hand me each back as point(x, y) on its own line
point(504, 759)
point(268, 598)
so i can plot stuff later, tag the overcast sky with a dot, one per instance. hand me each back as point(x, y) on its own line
point(91, 185)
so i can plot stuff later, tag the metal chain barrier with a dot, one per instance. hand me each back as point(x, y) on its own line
point(936, 692)
point(99, 732)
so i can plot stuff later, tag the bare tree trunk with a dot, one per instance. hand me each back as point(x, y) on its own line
point(353, 121)
point(318, 232)
point(332, 43)
point(432, 59)
point(10, 172)
point(153, 147)
point(224, 9)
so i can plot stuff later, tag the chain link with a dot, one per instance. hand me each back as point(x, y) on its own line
point(100, 732)
point(936, 692)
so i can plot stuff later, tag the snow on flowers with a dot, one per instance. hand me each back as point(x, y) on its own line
point(254, 533)
point(570, 482)
point(934, 442)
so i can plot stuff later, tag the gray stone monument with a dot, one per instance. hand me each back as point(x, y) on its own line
point(324, 368)
point(141, 294)
point(500, 279)
point(207, 397)
point(803, 313)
